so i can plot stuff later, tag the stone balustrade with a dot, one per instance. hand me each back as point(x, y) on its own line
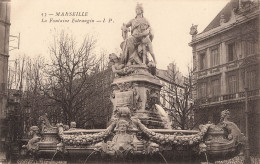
point(227, 97)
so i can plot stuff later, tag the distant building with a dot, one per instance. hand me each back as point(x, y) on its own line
point(226, 49)
point(170, 79)
point(173, 82)
point(4, 54)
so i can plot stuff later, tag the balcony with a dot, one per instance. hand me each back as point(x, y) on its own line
point(205, 101)
point(215, 70)
point(228, 98)
point(253, 93)
point(202, 73)
point(214, 99)
point(210, 71)
point(232, 65)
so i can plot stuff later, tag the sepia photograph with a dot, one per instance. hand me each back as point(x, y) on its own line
point(130, 81)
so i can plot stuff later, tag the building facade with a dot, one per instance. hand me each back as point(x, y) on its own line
point(226, 60)
point(174, 88)
point(4, 51)
point(172, 82)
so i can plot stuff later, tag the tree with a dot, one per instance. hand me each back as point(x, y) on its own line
point(68, 80)
point(98, 107)
point(25, 100)
point(177, 95)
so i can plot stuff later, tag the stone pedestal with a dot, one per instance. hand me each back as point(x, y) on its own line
point(139, 91)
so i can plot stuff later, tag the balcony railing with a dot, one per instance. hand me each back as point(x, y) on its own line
point(202, 73)
point(232, 65)
point(227, 97)
point(214, 99)
point(253, 93)
point(241, 94)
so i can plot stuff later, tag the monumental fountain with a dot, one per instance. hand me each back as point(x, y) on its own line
point(137, 130)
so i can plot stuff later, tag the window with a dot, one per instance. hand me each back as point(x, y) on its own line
point(249, 47)
point(181, 92)
point(2, 66)
point(171, 87)
point(163, 99)
point(202, 90)
point(2, 88)
point(215, 87)
point(194, 62)
point(202, 61)
point(171, 101)
point(214, 57)
point(231, 52)
point(232, 84)
point(252, 81)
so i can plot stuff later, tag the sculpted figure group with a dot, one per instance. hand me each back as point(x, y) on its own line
point(136, 47)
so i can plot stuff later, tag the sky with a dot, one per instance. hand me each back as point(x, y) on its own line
point(170, 20)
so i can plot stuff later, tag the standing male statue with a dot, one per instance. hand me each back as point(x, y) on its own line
point(140, 41)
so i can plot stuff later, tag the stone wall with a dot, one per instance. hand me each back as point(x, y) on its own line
point(4, 51)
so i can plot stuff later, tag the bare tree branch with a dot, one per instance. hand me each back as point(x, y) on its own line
point(180, 88)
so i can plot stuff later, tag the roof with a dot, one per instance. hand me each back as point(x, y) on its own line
point(226, 11)
point(164, 75)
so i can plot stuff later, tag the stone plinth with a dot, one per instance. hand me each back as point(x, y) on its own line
point(139, 91)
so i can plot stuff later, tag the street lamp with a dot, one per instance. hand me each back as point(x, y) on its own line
point(247, 152)
point(243, 67)
point(250, 60)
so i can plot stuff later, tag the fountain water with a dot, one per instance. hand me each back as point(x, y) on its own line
point(89, 156)
point(206, 157)
point(163, 158)
point(164, 116)
point(54, 155)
